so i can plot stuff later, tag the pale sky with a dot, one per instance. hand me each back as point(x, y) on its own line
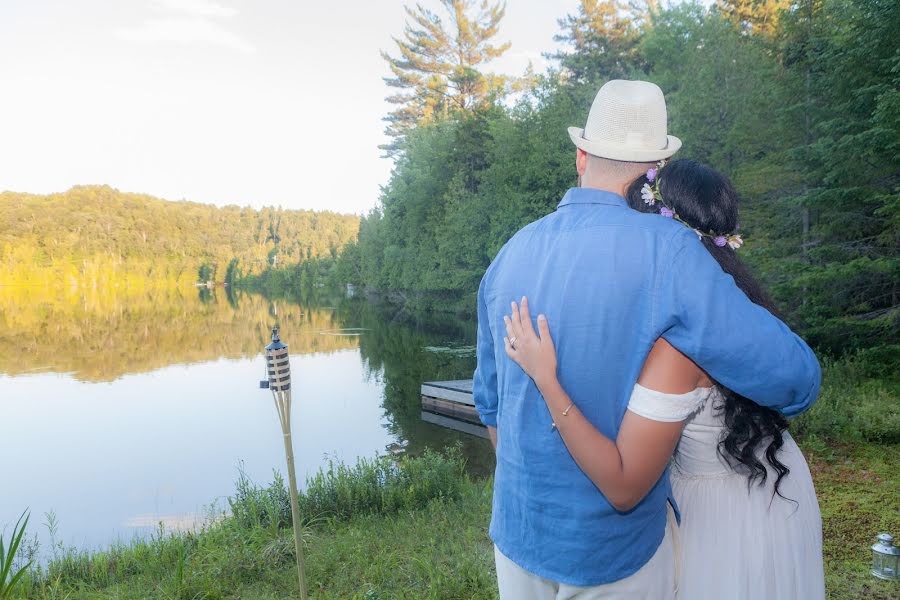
point(249, 102)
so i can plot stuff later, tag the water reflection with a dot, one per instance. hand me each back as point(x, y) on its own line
point(101, 335)
point(400, 350)
point(123, 408)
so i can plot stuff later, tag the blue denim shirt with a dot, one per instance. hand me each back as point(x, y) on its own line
point(611, 281)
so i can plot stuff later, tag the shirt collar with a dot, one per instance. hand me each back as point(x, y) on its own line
point(592, 196)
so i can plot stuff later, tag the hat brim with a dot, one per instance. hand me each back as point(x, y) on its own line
point(622, 152)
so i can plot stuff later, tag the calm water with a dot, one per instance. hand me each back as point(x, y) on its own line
point(120, 410)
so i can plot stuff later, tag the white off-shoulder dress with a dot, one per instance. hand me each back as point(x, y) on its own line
point(735, 543)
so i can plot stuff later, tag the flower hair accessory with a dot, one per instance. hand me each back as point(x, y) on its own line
point(651, 195)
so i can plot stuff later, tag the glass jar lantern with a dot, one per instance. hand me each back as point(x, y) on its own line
point(885, 558)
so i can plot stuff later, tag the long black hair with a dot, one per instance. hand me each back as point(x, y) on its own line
point(706, 200)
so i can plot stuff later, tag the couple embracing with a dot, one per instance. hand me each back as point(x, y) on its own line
point(636, 383)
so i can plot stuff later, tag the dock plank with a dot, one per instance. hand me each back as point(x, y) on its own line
point(456, 391)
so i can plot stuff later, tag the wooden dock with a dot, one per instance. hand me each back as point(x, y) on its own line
point(450, 404)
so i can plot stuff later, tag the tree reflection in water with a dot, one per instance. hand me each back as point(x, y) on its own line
point(398, 349)
point(99, 335)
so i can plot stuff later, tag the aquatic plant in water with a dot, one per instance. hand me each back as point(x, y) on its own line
point(456, 351)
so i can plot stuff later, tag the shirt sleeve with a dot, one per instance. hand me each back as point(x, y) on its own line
point(484, 386)
point(743, 346)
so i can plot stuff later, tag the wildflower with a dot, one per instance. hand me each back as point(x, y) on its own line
point(647, 195)
point(720, 241)
point(666, 212)
point(735, 242)
point(651, 174)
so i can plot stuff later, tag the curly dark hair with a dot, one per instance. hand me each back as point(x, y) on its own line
point(705, 199)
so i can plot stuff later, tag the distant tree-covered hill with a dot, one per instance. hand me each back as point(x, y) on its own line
point(98, 235)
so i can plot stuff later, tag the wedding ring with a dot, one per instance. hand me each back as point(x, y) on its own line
point(512, 342)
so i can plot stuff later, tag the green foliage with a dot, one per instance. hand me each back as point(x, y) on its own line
point(841, 272)
point(759, 17)
point(799, 107)
point(256, 506)
point(384, 485)
point(95, 236)
point(10, 575)
point(859, 401)
point(381, 486)
point(604, 41)
point(205, 273)
point(437, 70)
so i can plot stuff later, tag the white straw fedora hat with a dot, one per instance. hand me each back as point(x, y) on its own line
point(627, 122)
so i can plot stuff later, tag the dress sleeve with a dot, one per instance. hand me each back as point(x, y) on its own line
point(659, 406)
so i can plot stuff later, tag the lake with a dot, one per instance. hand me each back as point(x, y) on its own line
point(123, 409)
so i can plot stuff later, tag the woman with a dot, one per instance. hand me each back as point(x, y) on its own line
point(750, 522)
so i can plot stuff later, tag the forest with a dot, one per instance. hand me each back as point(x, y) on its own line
point(96, 236)
point(798, 102)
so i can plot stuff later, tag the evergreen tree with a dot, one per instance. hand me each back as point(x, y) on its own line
point(603, 40)
point(438, 68)
point(802, 112)
point(722, 89)
point(759, 17)
point(844, 264)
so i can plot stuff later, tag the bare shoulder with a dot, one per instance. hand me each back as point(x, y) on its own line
point(669, 371)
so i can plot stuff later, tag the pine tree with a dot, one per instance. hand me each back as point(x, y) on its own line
point(847, 73)
point(603, 40)
point(437, 71)
point(758, 17)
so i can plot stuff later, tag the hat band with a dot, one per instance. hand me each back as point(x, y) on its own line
point(621, 145)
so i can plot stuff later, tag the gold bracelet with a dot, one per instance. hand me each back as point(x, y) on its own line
point(565, 413)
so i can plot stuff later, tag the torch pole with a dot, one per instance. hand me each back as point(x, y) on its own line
point(278, 380)
point(295, 507)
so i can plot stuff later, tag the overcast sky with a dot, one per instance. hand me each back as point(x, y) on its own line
point(249, 102)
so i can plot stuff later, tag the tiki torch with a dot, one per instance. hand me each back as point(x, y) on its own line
point(278, 370)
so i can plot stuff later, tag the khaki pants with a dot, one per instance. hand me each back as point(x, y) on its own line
point(656, 580)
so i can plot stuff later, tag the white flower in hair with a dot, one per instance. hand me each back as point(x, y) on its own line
point(735, 242)
point(647, 195)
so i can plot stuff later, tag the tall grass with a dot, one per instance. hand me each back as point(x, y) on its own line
point(10, 575)
point(383, 485)
point(253, 543)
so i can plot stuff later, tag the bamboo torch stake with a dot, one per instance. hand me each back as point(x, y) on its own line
point(279, 381)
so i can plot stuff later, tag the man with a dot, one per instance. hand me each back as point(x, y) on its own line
point(612, 281)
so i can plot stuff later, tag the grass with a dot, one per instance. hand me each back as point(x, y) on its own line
point(358, 521)
point(859, 402)
point(10, 573)
point(439, 550)
point(857, 486)
point(417, 527)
